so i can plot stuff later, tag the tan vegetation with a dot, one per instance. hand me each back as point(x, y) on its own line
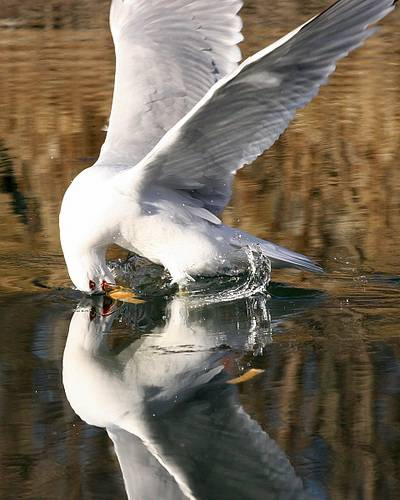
point(330, 187)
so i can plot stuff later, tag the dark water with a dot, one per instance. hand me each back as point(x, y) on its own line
point(98, 400)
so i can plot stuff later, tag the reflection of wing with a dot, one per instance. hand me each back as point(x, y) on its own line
point(168, 54)
point(208, 448)
point(244, 113)
point(144, 476)
point(221, 452)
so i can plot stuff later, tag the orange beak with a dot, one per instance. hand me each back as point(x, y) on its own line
point(117, 292)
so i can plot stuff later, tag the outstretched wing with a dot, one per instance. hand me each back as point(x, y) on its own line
point(243, 114)
point(168, 55)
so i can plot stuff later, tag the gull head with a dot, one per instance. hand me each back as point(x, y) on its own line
point(86, 232)
point(88, 270)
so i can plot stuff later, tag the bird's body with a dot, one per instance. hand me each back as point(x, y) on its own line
point(166, 229)
point(185, 117)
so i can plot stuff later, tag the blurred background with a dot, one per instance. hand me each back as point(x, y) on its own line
point(329, 188)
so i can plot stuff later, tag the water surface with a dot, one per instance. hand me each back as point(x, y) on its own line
point(100, 403)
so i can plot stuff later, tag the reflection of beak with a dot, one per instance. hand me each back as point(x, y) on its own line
point(120, 293)
point(253, 372)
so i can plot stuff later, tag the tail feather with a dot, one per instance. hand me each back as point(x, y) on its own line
point(279, 256)
point(283, 257)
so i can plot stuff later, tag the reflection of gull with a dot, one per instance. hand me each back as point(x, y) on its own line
point(166, 208)
point(177, 428)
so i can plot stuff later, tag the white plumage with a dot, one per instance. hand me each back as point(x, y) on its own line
point(168, 54)
point(166, 168)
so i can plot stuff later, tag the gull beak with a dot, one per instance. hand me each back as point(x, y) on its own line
point(117, 292)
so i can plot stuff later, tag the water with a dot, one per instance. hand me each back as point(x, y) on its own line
point(97, 400)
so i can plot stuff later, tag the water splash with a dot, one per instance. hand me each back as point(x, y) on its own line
point(143, 276)
point(235, 284)
point(148, 279)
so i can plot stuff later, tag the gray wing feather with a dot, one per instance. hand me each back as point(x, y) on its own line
point(245, 113)
point(168, 55)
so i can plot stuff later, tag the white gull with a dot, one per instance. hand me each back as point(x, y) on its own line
point(185, 117)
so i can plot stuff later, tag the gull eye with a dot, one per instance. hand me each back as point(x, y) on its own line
point(92, 285)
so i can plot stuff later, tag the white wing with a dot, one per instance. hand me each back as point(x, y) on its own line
point(168, 54)
point(244, 113)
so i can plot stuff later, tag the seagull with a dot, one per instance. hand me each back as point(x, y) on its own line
point(185, 117)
